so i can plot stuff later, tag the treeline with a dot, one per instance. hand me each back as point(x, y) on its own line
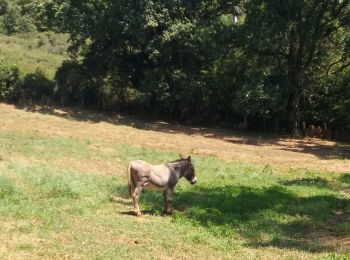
point(266, 65)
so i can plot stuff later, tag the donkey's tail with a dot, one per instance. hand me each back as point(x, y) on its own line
point(130, 183)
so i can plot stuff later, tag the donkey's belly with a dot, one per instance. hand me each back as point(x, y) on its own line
point(153, 187)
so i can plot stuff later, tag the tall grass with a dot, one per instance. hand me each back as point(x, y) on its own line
point(33, 51)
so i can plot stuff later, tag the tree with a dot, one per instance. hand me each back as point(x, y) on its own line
point(162, 48)
point(309, 37)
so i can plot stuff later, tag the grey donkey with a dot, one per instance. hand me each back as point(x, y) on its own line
point(162, 177)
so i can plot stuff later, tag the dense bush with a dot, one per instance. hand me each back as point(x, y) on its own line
point(328, 105)
point(9, 83)
point(68, 79)
point(75, 85)
point(36, 87)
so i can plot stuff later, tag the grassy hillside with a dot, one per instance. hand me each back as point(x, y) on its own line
point(63, 194)
point(45, 51)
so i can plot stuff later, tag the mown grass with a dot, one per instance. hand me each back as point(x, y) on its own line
point(44, 51)
point(49, 209)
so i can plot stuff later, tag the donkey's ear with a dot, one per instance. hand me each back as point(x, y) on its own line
point(189, 158)
point(180, 156)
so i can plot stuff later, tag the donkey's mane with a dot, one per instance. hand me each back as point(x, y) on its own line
point(179, 160)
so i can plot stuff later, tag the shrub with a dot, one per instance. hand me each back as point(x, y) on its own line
point(68, 78)
point(75, 85)
point(9, 83)
point(37, 87)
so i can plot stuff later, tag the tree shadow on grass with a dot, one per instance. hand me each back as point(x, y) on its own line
point(345, 178)
point(308, 182)
point(268, 216)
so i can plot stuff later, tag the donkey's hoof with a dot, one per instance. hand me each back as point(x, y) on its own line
point(138, 213)
point(168, 212)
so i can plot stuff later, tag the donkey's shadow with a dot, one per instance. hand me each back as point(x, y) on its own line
point(152, 202)
point(150, 212)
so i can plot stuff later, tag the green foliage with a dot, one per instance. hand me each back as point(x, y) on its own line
point(257, 100)
point(193, 62)
point(16, 17)
point(306, 41)
point(9, 83)
point(69, 81)
point(37, 87)
point(23, 16)
point(329, 103)
point(75, 85)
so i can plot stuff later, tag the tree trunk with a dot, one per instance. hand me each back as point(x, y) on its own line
point(62, 99)
point(244, 124)
point(295, 75)
point(277, 128)
point(294, 115)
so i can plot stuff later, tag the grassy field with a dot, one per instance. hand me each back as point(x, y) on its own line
point(63, 191)
point(44, 51)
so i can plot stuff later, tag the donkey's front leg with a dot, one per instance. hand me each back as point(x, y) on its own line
point(168, 199)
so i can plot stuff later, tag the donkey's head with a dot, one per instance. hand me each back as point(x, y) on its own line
point(189, 173)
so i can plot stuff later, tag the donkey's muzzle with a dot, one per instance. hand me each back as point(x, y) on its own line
point(194, 180)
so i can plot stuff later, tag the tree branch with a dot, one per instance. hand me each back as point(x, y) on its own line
point(342, 68)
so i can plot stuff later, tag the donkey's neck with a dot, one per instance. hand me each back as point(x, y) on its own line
point(179, 168)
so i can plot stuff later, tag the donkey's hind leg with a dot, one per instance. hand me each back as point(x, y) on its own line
point(135, 198)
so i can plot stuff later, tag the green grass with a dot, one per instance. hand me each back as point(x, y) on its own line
point(29, 52)
point(235, 210)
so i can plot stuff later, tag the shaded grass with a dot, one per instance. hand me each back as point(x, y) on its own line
point(345, 178)
point(235, 209)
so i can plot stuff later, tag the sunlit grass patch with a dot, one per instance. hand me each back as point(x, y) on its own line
point(45, 51)
point(50, 195)
point(334, 256)
point(42, 147)
point(8, 189)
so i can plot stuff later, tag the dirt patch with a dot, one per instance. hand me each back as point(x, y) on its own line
point(277, 151)
point(339, 244)
point(336, 234)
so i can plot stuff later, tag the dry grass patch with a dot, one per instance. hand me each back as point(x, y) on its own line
point(91, 166)
point(276, 151)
